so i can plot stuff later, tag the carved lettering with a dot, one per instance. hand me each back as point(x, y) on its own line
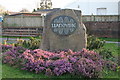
point(63, 25)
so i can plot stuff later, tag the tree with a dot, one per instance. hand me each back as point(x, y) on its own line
point(24, 10)
point(5, 13)
point(45, 4)
point(2, 9)
point(34, 10)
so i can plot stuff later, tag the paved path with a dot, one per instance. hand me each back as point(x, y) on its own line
point(112, 42)
point(13, 40)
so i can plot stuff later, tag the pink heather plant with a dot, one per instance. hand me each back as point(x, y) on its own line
point(81, 62)
point(49, 72)
point(86, 63)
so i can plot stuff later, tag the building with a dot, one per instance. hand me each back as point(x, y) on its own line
point(45, 11)
point(96, 8)
point(119, 7)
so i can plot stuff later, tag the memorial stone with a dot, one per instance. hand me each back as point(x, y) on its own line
point(64, 30)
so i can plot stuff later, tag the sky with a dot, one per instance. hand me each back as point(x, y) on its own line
point(17, 5)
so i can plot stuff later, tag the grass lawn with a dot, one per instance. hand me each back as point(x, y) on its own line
point(110, 74)
point(113, 47)
point(12, 72)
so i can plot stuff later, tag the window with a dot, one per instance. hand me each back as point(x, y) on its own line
point(101, 11)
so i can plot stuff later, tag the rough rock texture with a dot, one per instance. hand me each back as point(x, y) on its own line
point(75, 41)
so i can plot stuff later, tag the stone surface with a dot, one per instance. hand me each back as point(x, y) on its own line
point(64, 30)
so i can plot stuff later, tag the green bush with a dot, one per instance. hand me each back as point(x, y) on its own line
point(106, 54)
point(32, 43)
point(94, 43)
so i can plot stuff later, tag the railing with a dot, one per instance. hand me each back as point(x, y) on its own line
point(21, 32)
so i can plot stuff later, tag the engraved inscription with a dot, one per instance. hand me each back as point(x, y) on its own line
point(63, 25)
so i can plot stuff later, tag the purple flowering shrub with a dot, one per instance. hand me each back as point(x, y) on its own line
point(84, 63)
point(12, 55)
point(5, 47)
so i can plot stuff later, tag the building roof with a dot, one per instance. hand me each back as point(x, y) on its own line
point(45, 11)
point(25, 14)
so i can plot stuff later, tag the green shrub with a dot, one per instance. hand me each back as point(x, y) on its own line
point(32, 43)
point(94, 43)
point(106, 54)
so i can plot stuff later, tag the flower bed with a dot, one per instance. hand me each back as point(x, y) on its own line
point(84, 63)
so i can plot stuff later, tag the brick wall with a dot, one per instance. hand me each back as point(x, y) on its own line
point(109, 29)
